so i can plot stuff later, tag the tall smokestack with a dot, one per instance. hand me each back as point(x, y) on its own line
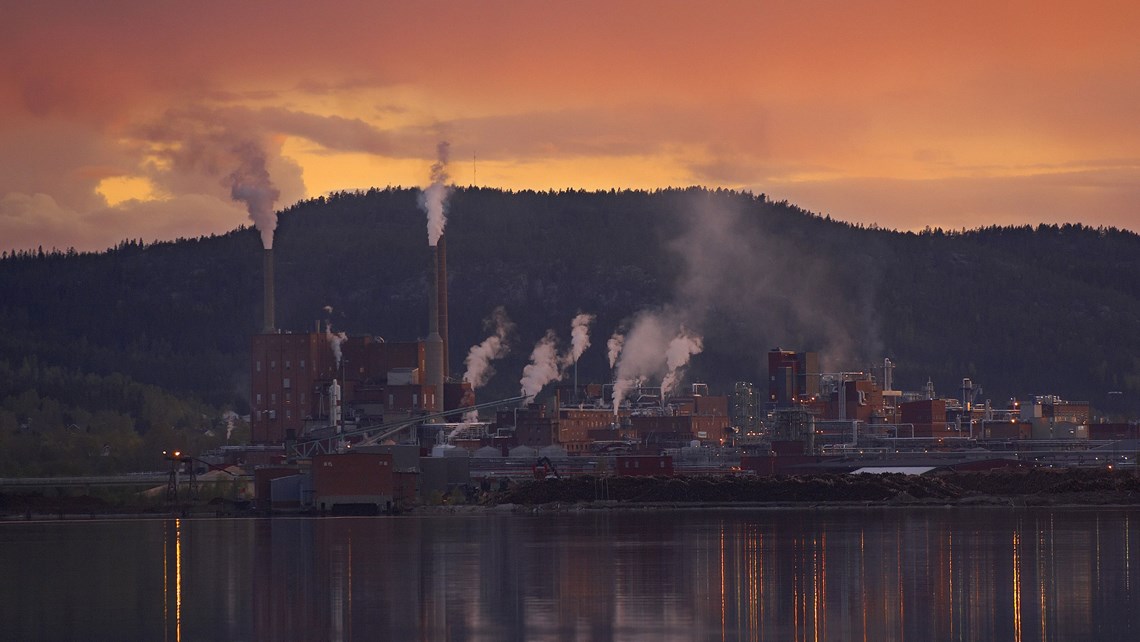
point(433, 346)
point(267, 270)
point(441, 299)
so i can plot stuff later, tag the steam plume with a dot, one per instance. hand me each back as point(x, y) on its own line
point(433, 199)
point(657, 346)
point(335, 338)
point(579, 339)
point(250, 184)
point(479, 358)
point(543, 366)
point(681, 348)
point(614, 346)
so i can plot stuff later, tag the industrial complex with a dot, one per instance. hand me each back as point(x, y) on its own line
point(358, 423)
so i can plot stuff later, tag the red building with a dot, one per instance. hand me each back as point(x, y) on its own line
point(928, 417)
point(531, 426)
point(291, 376)
point(643, 465)
point(793, 377)
point(359, 479)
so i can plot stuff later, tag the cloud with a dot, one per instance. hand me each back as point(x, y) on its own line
point(792, 99)
point(1104, 195)
point(26, 220)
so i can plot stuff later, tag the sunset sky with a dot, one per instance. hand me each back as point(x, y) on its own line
point(120, 119)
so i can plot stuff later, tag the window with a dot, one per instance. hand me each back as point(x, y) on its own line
point(302, 364)
point(259, 398)
point(285, 383)
point(259, 365)
point(287, 364)
point(273, 398)
point(273, 365)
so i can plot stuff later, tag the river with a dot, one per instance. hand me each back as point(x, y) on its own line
point(716, 574)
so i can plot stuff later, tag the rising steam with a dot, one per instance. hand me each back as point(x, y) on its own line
point(250, 184)
point(614, 347)
point(544, 365)
point(579, 339)
point(433, 200)
point(681, 349)
point(479, 358)
point(657, 346)
point(335, 338)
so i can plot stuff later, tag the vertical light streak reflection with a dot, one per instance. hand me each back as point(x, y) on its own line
point(821, 590)
point(899, 586)
point(348, 613)
point(178, 580)
point(1016, 586)
point(863, 580)
point(1041, 574)
point(796, 590)
point(723, 589)
point(166, 582)
point(1127, 553)
point(759, 593)
point(950, 564)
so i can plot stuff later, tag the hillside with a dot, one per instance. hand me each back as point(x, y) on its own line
point(1019, 310)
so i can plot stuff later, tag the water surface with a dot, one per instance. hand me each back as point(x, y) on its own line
point(743, 574)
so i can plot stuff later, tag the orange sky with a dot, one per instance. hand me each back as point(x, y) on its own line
point(119, 119)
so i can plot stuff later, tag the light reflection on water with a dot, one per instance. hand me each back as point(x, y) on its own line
point(870, 574)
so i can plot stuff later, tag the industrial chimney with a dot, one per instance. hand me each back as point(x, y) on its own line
point(270, 325)
point(441, 299)
point(433, 346)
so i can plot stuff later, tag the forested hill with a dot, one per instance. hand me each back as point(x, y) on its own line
point(1019, 310)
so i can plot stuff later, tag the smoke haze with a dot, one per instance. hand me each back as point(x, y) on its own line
point(758, 286)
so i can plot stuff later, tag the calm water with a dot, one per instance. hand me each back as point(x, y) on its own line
point(876, 574)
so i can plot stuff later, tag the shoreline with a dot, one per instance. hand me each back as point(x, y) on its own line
point(1032, 488)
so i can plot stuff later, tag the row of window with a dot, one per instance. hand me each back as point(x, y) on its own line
point(273, 365)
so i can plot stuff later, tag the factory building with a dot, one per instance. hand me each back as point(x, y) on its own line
point(312, 381)
point(529, 426)
point(745, 408)
point(793, 377)
point(298, 383)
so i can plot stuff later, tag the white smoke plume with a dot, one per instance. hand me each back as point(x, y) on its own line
point(544, 365)
point(335, 340)
point(223, 153)
point(479, 358)
point(681, 349)
point(657, 346)
point(614, 347)
point(250, 184)
point(433, 200)
point(579, 339)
